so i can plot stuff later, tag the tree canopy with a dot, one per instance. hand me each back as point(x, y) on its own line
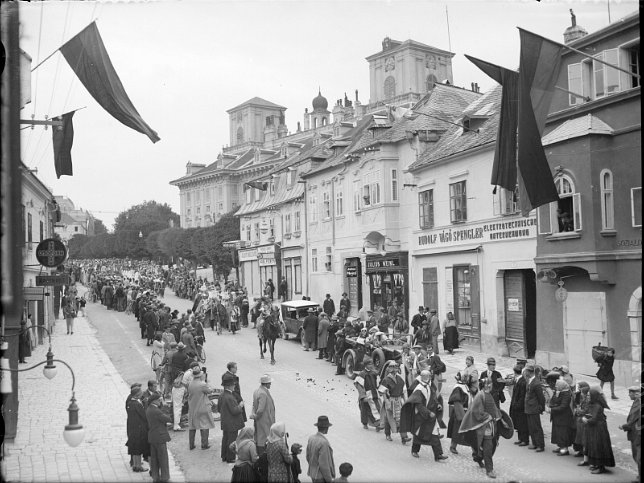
point(145, 218)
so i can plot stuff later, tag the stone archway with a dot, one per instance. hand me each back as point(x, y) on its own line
point(635, 322)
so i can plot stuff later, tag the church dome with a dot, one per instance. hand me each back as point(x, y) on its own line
point(320, 102)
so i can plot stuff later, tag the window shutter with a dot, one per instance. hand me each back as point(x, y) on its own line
point(576, 208)
point(544, 223)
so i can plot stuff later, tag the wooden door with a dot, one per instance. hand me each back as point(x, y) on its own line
point(515, 311)
point(584, 316)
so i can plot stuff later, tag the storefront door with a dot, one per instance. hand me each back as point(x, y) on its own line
point(467, 306)
point(520, 314)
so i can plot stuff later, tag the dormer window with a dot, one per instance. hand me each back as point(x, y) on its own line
point(466, 124)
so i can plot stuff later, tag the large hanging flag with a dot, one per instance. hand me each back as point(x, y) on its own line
point(63, 138)
point(539, 67)
point(88, 58)
point(519, 156)
point(504, 168)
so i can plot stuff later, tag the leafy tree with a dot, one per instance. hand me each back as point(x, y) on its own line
point(99, 227)
point(221, 258)
point(75, 245)
point(146, 217)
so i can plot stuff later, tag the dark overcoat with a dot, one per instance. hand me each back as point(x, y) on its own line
point(137, 429)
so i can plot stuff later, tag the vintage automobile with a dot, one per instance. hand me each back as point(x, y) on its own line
point(293, 313)
point(379, 347)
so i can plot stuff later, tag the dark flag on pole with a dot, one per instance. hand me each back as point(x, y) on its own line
point(88, 58)
point(539, 67)
point(504, 169)
point(63, 138)
point(519, 156)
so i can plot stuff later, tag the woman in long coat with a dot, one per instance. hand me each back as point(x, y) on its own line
point(582, 398)
point(243, 471)
point(278, 455)
point(597, 445)
point(199, 409)
point(137, 430)
point(561, 417)
point(323, 334)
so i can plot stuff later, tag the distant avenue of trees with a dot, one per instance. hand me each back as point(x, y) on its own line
point(158, 239)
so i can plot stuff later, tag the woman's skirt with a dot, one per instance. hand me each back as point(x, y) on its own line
point(597, 445)
point(451, 339)
point(244, 474)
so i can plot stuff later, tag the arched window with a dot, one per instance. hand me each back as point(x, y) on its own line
point(431, 81)
point(607, 202)
point(390, 87)
point(315, 123)
point(240, 135)
point(324, 121)
point(564, 215)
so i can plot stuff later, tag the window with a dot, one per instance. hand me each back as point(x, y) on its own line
point(506, 202)
point(313, 207)
point(426, 209)
point(633, 61)
point(297, 275)
point(463, 295)
point(326, 205)
point(394, 185)
point(24, 222)
point(371, 189)
point(188, 212)
point(198, 197)
point(207, 208)
point(248, 232)
point(271, 227)
point(29, 228)
point(390, 87)
point(240, 135)
point(198, 210)
point(314, 260)
point(287, 223)
point(357, 202)
point(42, 231)
point(248, 195)
point(75, 229)
point(271, 188)
point(206, 195)
point(297, 224)
point(339, 207)
point(329, 259)
point(564, 215)
point(457, 202)
point(257, 231)
point(606, 78)
point(257, 195)
point(188, 197)
point(607, 201)
point(636, 207)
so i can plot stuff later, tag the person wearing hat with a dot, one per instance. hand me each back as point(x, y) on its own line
point(137, 430)
point(263, 412)
point(422, 415)
point(498, 382)
point(633, 426)
point(434, 328)
point(535, 403)
point(200, 415)
point(232, 372)
point(392, 387)
point(371, 319)
point(323, 335)
point(319, 454)
point(517, 407)
point(368, 401)
point(334, 326)
point(310, 328)
point(232, 417)
point(418, 319)
point(597, 441)
point(158, 438)
point(128, 400)
point(345, 304)
point(182, 376)
point(423, 336)
point(328, 306)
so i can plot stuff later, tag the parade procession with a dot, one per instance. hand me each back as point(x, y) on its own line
point(434, 278)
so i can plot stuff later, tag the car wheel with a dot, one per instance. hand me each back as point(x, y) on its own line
point(378, 358)
point(350, 364)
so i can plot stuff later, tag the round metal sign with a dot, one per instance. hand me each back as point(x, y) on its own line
point(51, 252)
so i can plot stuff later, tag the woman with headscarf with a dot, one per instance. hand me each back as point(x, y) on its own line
point(582, 398)
point(243, 471)
point(278, 455)
point(450, 333)
point(137, 430)
point(470, 375)
point(597, 445)
point(459, 401)
point(561, 417)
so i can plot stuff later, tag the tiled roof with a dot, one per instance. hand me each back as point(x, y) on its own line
point(257, 101)
point(574, 128)
point(444, 102)
point(282, 195)
point(455, 141)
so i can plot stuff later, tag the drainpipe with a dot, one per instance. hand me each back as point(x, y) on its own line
point(306, 237)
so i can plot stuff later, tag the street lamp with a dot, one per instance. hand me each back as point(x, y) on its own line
point(74, 432)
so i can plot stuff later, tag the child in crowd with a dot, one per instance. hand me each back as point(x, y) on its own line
point(296, 468)
point(345, 471)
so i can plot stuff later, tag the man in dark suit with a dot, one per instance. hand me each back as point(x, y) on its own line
point(328, 305)
point(498, 382)
point(417, 320)
point(517, 408)
point(535, 404)
point(158, 438)
point(232, 419)
point(232, 372)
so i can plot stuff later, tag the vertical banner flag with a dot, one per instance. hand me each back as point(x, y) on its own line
point(86, 55)
point(63, 138)
point(504, 169)
point(539, 67)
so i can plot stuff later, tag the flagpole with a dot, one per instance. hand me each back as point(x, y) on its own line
point(52, 54)
point(584, 54)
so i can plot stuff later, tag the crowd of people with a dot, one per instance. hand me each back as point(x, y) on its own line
point(403, 398)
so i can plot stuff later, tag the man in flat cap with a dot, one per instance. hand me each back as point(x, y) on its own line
point(263, 412)
point(633, 426)
point(158, 438)
point(498, 382)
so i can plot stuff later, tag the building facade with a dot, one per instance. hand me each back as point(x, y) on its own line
point(589, 245)
point(73, 221)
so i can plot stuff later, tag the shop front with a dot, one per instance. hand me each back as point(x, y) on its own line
point(268, 262)
point(353, 283)
point(249, 271)
point(388, 279)
point(292, 270)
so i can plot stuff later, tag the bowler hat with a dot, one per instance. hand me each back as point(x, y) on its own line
point(505, 426)
point(181, 345)
point(323, 422)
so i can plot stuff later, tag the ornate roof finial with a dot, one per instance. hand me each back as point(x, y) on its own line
point(573, 18)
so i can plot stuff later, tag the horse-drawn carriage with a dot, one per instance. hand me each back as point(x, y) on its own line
point(379, 347)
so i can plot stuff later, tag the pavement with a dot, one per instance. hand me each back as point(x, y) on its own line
point(39, 452)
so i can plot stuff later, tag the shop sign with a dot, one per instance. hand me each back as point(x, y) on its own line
point(384, 263)
point(265, 261)
point(267, 249)
point(521, 228)
point(247, 255)
point(51, 252)
point(53, 280)
point(352, 271)
point(33, 293)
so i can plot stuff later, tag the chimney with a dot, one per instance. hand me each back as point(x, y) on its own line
point(472, 84)
point(575, 31)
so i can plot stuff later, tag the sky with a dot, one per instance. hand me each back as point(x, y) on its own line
point(185, 63)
